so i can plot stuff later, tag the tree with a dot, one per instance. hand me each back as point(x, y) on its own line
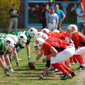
point(5, 6)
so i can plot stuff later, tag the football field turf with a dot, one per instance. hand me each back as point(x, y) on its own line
point(24, 76)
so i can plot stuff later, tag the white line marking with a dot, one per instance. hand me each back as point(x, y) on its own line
point(80, 78)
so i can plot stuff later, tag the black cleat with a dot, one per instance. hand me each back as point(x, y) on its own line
point(81, 67)
point(66, 76)
point(73, 74)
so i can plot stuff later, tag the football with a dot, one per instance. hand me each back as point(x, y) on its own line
point(31, 65)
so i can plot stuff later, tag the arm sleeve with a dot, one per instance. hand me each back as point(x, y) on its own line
point(62, 12)
point(77, 11)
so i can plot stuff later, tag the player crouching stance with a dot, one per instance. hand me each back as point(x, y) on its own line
point(5, 44)
point(51, 51)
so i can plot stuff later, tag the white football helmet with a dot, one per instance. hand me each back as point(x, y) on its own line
point(72, 29)
point(56, 31)
point(32, 32)
point(38, 43)
point(22, 39)
point(45, 30)
point(9, 43)
point(14, 38)
point(40, 35)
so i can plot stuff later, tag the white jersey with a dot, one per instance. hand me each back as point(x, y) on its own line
point(52, 18)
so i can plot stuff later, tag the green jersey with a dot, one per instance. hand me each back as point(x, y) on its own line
point(26, 33)
point(2, 45)
point(13, 15)
point(3, 35)
point(28, 37)
point(18, 44)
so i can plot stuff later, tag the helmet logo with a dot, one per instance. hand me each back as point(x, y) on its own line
point(37, 42)
point(38, 34)
point(73, 28)
point(44, 37)
point(31, 30)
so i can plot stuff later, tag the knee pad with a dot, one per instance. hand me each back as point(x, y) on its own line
point(48, 63)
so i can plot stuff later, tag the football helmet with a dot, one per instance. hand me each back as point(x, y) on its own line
point(14, 38)
point(38, 43)
point(40, 35)
point(56, 31)
point(32, 31)
point(45, 30)
point(22, 39)
point(9, 43)
point(72, 29)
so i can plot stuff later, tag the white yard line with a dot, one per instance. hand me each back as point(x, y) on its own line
point(80, 78)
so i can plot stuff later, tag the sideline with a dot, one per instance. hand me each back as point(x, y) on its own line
point(81, 75)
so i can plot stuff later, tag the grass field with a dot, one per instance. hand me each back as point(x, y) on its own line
point(24, 76)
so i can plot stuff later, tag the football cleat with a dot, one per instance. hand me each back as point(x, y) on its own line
point(56, 70)
point(19, 59)
point(29, 58)
point(11, 70)
point(73, 74)
point(72, 63)
point(59, 73)
point(42, 76)
point(66, 76)
point(6, 71)
point(81, 67)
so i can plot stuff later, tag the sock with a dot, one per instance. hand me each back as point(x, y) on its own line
point(28, 56)
point(67, 62)
point(71, 59)
point(59, 67)
point(75, 60)
point(66, 68)
point(80, 59)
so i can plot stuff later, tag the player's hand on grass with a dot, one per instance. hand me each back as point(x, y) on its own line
point(36, 52)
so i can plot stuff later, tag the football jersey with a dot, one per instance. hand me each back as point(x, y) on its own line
point(3, 35)
point(26, 33)
point(2, 45)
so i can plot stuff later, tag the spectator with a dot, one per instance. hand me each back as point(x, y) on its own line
point(13, 12)
point(44, 15)
point(61, 16)
point(80, 18)
point(64, 9)
point(52, 20)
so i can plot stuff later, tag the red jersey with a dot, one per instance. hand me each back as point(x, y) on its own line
point(46, 48)
point(79, 39)
point(58, 46)
point(57, 40)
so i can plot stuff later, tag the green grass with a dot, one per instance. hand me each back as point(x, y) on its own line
point(24, 76)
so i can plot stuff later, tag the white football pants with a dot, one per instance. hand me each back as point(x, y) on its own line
point(64, 55)
point(51, 26)
point(80, 51)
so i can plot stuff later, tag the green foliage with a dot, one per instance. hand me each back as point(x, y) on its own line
point(5, 6)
